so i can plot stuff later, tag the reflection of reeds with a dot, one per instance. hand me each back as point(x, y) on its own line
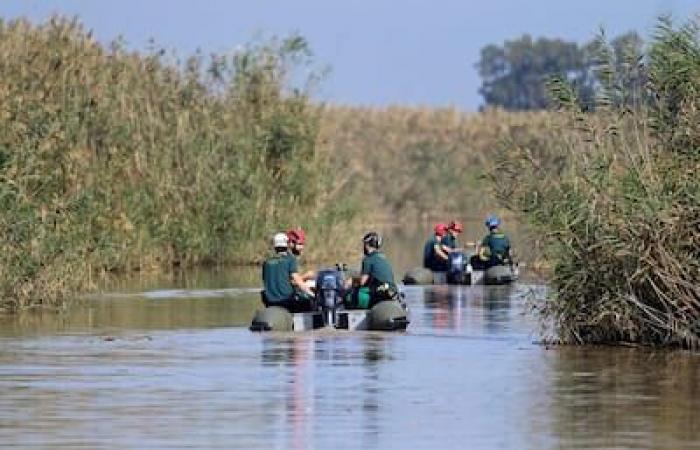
point(616, 196)
point(603, 397)
point(113, 161)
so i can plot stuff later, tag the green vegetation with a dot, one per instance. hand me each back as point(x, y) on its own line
point(408, 161)
point(514, 76)
point(114, 161)
point(615, 195)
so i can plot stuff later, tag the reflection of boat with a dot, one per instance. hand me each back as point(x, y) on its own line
point(463, 273)
point(501, 274)
point(329, 311)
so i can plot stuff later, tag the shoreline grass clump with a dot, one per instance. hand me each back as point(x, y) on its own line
point(113, 161)
point(615, 196)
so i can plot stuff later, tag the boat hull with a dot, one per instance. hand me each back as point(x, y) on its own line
point(388, 315)
point(497, 275)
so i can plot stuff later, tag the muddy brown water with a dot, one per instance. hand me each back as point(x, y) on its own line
point(170, 363)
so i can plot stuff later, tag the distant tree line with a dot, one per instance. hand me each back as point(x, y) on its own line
point(515, 75)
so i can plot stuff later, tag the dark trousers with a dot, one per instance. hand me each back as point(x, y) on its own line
point(480, 264)
point(298, 302)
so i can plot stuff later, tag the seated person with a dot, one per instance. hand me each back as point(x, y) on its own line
point(297, 239)
point(495, 247)
point(376, 283)
point(434, 258)
point(448, 243)
point(283, 284)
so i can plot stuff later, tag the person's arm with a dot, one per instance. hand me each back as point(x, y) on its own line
point(298, 281)
point(442, 254)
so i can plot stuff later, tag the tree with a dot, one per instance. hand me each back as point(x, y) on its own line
point(514, 76)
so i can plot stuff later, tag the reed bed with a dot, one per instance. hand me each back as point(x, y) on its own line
point(114, 161)
point(406, 161)
point(615, 195)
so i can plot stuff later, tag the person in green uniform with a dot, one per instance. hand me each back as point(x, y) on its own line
point(448, 243)
point(376, 283)
point(494, 249)
point(434, 258)
point(283, 284)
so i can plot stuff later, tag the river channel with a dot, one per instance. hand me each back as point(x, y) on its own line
point(172, 364)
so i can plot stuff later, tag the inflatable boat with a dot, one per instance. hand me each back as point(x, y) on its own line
point(460, 272)
point(329, 311)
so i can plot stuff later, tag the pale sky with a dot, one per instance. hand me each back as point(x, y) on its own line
point(380, 52)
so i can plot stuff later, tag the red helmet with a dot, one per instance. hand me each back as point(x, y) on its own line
point(440, 229)
point(296, 236)
point(456, 226)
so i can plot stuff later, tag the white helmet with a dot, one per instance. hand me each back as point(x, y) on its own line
point(280, 240)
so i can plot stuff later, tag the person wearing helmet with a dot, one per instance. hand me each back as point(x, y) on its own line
point(494, 248)
point(448, 243)
point(376, 282)
point(434, 257)
point(283, 285)
point(297, 239)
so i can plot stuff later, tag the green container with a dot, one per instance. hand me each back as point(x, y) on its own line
point(363, 298)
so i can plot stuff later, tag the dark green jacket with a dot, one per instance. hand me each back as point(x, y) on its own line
point(449, 241)
point(277, 274)
point(498, 244)
point(430, 259)
point(378, 268)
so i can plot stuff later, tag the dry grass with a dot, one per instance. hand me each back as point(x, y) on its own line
point(408, 161)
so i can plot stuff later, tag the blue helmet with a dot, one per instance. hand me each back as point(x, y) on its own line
point(492, 222)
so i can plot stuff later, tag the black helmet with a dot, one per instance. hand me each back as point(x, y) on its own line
point(373, 239)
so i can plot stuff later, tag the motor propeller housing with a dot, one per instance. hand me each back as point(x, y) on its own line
point(330, 289)
point(458, 270)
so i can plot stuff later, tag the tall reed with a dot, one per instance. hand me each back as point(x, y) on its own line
point(615, 195)
point(112, 160)
point(405, 161)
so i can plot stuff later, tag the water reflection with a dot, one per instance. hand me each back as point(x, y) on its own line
point(456, 308)
point(496, 307)
point(350, 386)
point(148, 311)
point(186, 371)
point(624, 398)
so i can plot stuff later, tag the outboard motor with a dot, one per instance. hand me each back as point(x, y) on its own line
point(458, 268)
point(329, 293)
